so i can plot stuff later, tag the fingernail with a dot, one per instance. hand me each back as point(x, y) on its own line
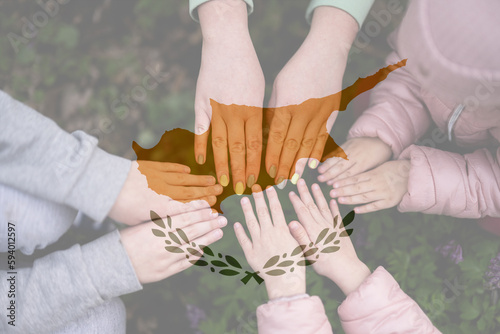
point(251, 181)
point(222, 221)
point(282, 184)
point(295, 178)
point(313, 164)
point(239, 189)
point(218, 234)
point(272, 171)
point(245, 200)
point(224, 181)
point(214, 214)
point(333, 193)
point(302, 182)
point(201, 159)
point(294, 225)
point(321, 178)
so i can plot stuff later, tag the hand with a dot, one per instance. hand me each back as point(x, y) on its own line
point(299, 122)
point(270, 238)
point(382, 187)
point(147, 252)
point(161, 187)
point(341, 266)
point(230, 73)
point(363, 153)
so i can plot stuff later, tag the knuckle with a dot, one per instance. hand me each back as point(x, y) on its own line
point(254, 144)
point(237, 147)
point(277, 137)
point(311, 206)
point(364, 197)
point(262, 212)
point(219, 142)
point(292, 144)
point(308, 143)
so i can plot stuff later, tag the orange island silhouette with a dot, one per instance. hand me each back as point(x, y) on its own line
point(177, 145)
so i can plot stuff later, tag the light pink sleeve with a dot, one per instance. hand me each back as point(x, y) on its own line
point(445, 183)
point(305, 316)
point(396, 114)
point(380, 306)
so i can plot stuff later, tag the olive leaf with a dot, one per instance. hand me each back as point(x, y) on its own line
point(310, 252)
point(173, 249)
point(182, 235)
point(321, 235)
point(232, 261)
point(174, 238)
point(228, 272)
point(158, 233)
point(285, 264)
point(219, 263)
point(199, 263)
point(349, 218)
point(272, 261)
point(304, 263)
point(194, 252)
point(330, 238)
point(346, 233)
point(298, 250)
point(157, 219)
point(335, 220)
point(276, 272)
point(331, 249)
point(169, 221)
point(207, 250)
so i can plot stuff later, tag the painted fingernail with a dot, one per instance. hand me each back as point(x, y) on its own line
point(222, 221)
point(295, 178)
point(224, 181)
point(313, 164)
point(272, 171)
point(239, 189)
point(282, 184)
point(201, 159)
point(251, 181)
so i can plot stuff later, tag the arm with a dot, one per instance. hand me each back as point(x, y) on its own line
point(440, 182)
point(230, 73)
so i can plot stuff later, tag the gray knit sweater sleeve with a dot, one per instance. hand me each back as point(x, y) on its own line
point(38, 157)
point(64, 285)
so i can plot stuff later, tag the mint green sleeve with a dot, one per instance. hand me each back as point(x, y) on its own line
point(356, 8)
point(193, 4)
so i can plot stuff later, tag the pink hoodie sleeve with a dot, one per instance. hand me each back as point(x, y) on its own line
point(380, 306)
point(440, 182)
point(396, 114)
point(305, 316)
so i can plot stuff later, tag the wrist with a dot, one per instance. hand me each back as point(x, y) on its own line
point(352, 276)
point(286, 286)
point(221, 20)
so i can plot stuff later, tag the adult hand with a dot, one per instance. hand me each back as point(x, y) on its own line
point(147, 252)
point(271, 238)
point(341, 264)
point(363, 153)
point(382, 187)
point(161, 187)
point(230, 73)
point(299, 117)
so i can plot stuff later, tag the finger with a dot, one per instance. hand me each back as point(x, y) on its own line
point(334, 208)
point(277, 135)
point(319, 146)
point(308, 201)
point(169, 207)
point(365, 177)
point(372, 207)
point(236, 144)
point(191, 193)
point(243, 240)
point(201, 130)
point(261, 208)
point(361, 199)
point(204, 240)
point(219, 144)
point(306, 146)
point(194, 231)
point(253, 134)
point(179, 179)
point(164, 166)
point(301, 210)
point(329, 163)
point(185, 219)
point(290, 148)
point(299, 233)
point(321, 202)
point(211, 200)
point(252, 223)
point(298, 170)
point(338, 167)
point(275, 206)
point(353, 189)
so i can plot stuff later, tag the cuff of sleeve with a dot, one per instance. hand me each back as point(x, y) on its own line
point(96, 190)
point(109, 266)
point(289, 299)
point(193, 5)
point(357, 9)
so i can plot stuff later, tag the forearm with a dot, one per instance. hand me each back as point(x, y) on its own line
point(224, 21)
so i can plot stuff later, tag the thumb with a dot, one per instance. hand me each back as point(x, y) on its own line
point(201, 132)
point(299, 233)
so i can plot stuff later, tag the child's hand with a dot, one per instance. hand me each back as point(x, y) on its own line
point(382, 187)
point(271, 238)
point(147, 253)
point(363, 153)
point(340, 264)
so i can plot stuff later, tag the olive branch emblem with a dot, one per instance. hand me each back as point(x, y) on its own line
point(229, 266)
